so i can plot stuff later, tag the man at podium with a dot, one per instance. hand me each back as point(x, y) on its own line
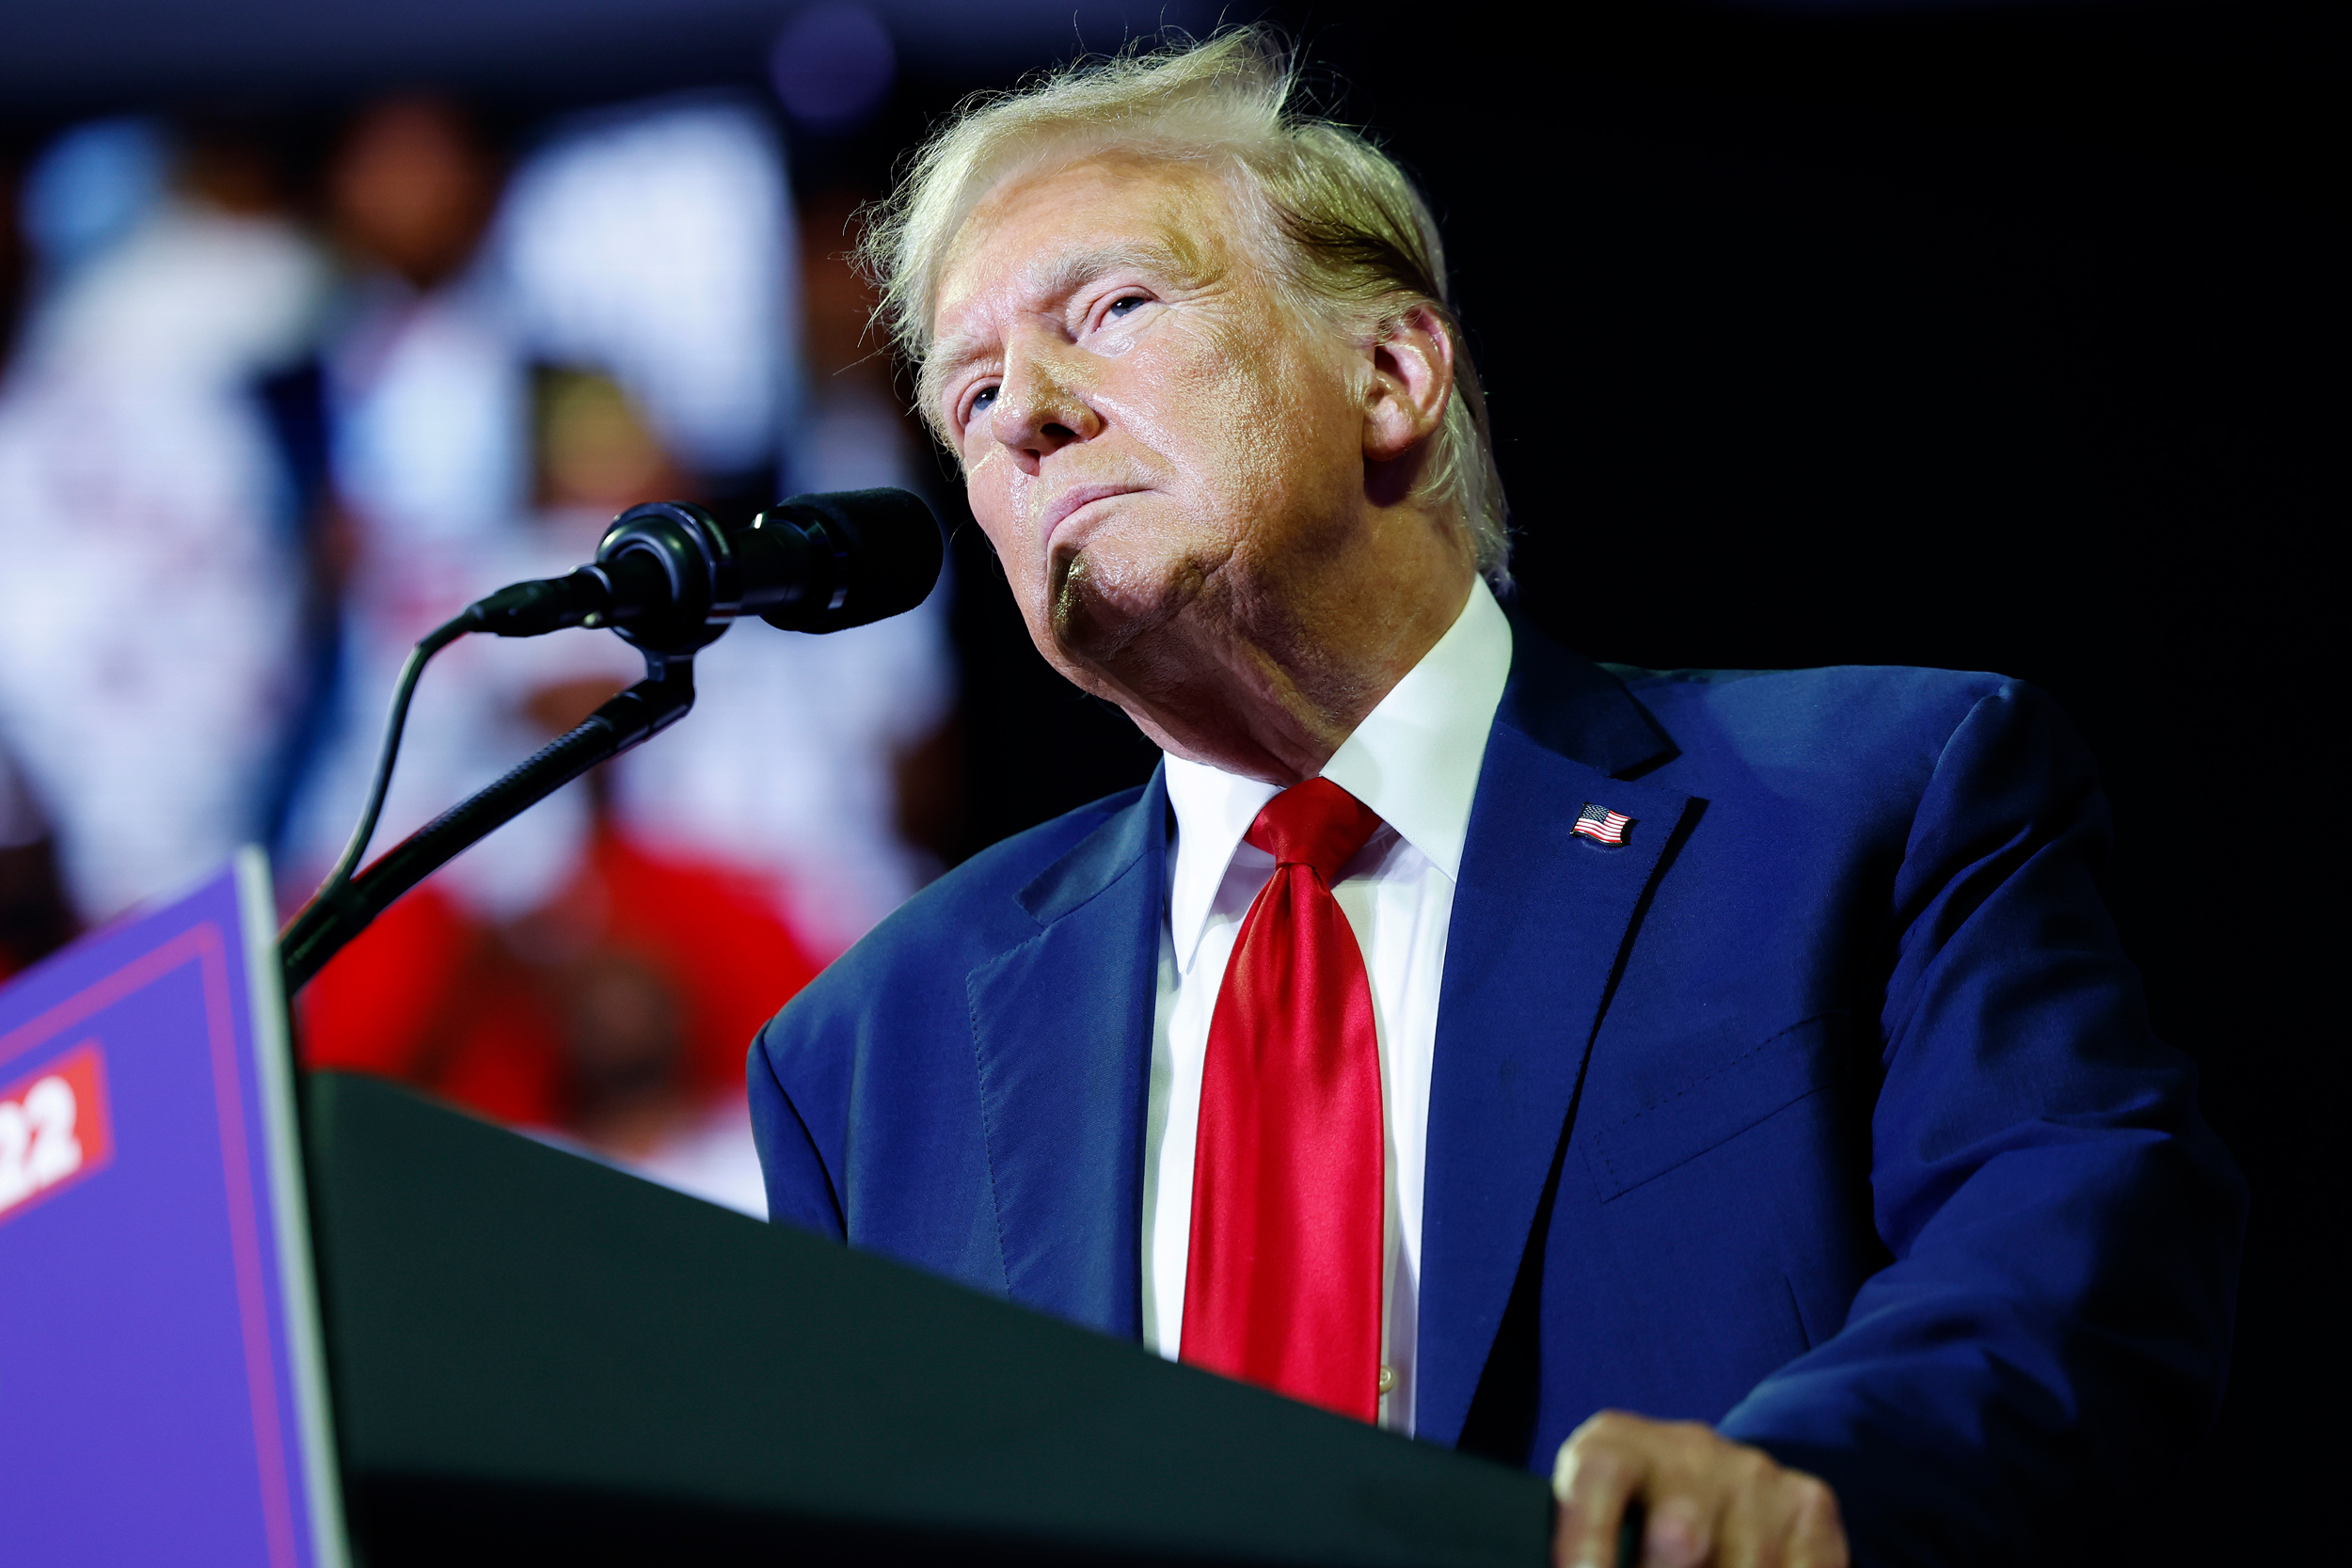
point(1723, 1089)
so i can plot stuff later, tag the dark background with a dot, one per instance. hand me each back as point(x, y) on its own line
point(1985, 339)
point(1987, 336)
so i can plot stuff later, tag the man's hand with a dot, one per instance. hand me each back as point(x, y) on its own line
point(1708, 1501)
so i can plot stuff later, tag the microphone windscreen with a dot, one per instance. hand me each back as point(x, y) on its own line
point(887, 553)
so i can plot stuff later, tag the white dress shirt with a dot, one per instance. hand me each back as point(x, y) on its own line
point(1414, 760)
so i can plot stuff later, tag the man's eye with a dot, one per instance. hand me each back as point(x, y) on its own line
point(982, 401)
point(1121, 307)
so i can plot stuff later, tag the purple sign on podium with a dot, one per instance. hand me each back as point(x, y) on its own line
point(160, 1365)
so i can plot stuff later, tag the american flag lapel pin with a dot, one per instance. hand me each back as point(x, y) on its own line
point(1601, 825)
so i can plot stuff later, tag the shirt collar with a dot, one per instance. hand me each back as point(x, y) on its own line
point(1414, 760)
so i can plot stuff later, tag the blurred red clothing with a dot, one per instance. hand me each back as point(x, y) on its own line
point(475, 1013)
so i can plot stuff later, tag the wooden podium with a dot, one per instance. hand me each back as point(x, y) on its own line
point(534, 1357)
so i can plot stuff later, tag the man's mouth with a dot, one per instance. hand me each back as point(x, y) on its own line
point(1069, 503)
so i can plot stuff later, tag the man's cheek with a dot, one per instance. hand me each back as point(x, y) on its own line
point(998, 514)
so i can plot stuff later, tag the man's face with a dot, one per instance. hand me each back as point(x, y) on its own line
point(1154, 441)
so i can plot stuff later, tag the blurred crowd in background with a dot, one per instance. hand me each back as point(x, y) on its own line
point(274, 407)
point(1905, 331)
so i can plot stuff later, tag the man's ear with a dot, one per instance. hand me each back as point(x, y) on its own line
point(1412, 382)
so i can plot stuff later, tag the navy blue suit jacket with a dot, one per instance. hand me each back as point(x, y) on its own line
point(1825, 1109)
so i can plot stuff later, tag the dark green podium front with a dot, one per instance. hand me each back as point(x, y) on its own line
point(534, 1358)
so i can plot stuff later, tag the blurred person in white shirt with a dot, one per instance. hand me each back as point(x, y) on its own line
point(427, 422)
point(149, 620)
point(656, 245)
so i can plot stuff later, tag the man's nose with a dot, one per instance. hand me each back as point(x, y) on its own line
point(1041, 406)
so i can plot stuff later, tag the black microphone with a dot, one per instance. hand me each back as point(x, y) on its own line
point(669, 577)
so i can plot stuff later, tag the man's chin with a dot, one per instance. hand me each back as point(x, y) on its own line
point(1098, 615)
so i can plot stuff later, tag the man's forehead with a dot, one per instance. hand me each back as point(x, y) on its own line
point(1031, 245)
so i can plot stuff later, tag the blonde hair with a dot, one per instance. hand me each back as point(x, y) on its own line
point(1343, 226)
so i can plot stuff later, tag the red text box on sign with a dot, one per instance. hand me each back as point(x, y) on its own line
point(55, 1130)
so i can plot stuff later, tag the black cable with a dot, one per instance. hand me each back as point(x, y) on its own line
point(419, 657)
point(340, 911)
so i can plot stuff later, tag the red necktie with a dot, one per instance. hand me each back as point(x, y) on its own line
point(1283, 1287)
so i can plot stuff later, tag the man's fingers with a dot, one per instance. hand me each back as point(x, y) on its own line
point(1593, 1478)
point(1679, 1495)
point(1817, 1536)
point(1777, 1518)
point(1680, 1532)
point(1755, 1513)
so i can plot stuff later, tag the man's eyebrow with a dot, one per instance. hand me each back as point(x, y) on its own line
point(1067, 274)
point(1064, 275)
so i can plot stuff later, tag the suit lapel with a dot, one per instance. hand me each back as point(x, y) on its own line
point(1540, 916)
point(1061, 1028)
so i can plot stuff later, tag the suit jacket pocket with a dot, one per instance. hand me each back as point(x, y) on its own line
point(1718, 1105)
